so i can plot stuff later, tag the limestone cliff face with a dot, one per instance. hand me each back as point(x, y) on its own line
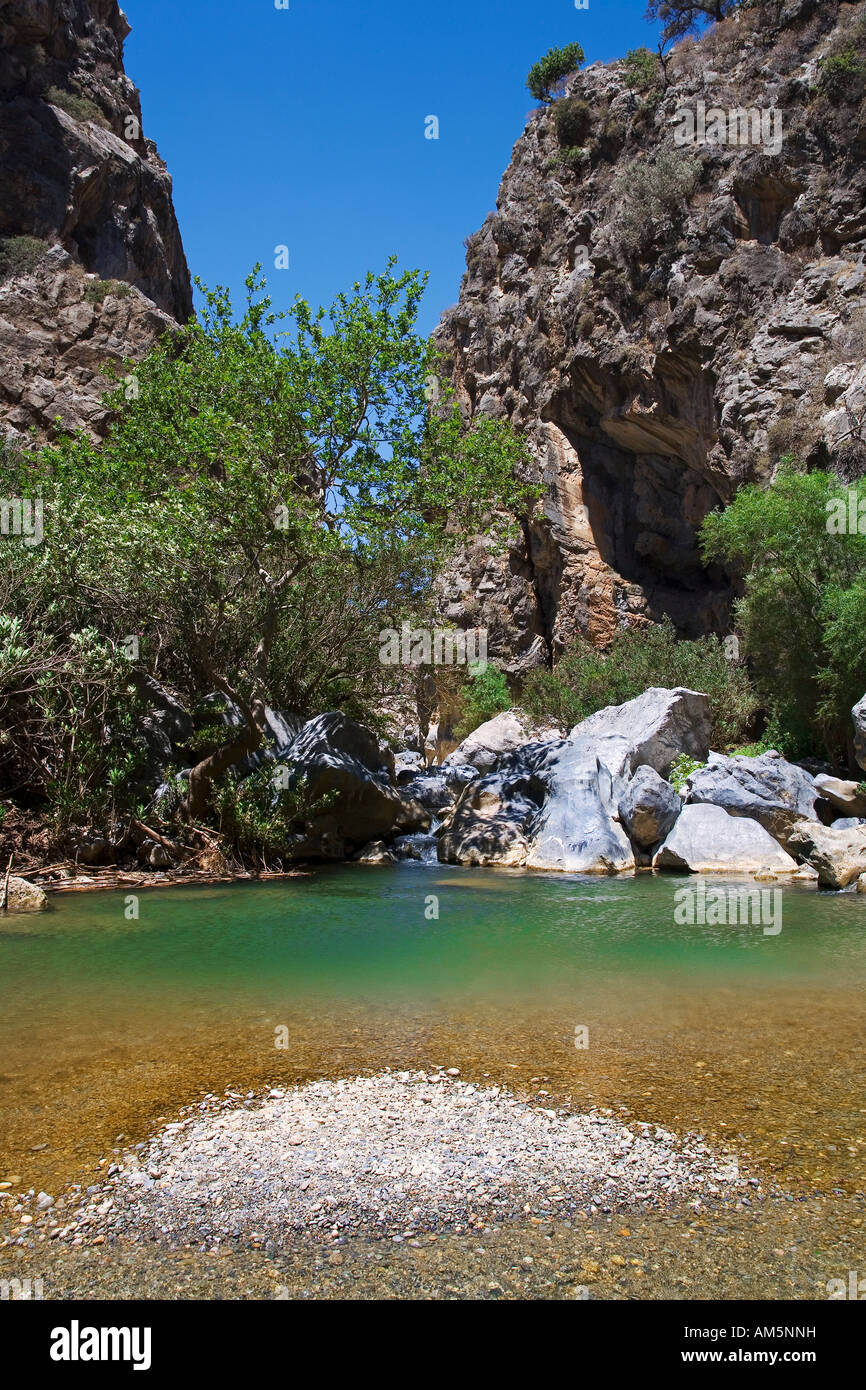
point(84, 200)
point(657, 355)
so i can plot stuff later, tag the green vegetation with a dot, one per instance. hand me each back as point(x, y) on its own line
point(485, 696)
point(547, 76)
point(19, 255)
point(651, 196)
point(264, 498)
point(843, 75)
point(98, 290)
point(586, 679)
point(79, 107)
point(573, 121)
point(681, 769)
point(573, 158)
point(640, 69)
point(803, 613)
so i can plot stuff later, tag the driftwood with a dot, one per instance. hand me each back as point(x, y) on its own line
point(104, 880)
point(160, 839)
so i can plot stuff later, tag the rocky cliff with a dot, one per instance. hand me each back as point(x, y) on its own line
point(92, 267)
point(665, 310)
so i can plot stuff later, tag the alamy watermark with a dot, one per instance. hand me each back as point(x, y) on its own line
point(855, 1288)
point(423, 646)
point(20, 1290)
point(728, 906)
point(22, 516)
point(846, 514)
point(737, 125)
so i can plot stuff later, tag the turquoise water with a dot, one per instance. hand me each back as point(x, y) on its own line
point(369, 930)
point(108, 1023)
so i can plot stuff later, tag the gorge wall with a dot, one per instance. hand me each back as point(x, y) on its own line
point(92, 268)
point(660, 342)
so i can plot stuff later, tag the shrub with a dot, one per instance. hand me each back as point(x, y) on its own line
point(649, 194)
point(19, 255)
point(640, 69)
point(485, 696)
point(803, 610)
point(255, 815)
point(98, 290)
point(587, 679)
point(80, 108)
point(681, 769)
point(547, 75)
point(573, 158)
point(573, 121)
point(843, 75)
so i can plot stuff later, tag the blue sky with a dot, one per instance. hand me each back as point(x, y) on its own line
point(305, 127)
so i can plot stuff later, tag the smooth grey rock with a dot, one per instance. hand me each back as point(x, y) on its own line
point(648, 807)
point(706, 839)
point(858, 714)
point(22, 896)
point(376, 852)
point(485, 745)
point(407, 764)
point(838, 855)
point(768, 789)
point(575, 830)
point(659, 725)
point(336, 756)
point(848, 823)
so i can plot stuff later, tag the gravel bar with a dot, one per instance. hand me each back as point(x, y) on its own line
point(391, 1155)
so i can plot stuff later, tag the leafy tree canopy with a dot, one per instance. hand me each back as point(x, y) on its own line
point(265, 500)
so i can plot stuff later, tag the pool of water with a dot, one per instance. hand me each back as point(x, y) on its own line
point(111, 1022)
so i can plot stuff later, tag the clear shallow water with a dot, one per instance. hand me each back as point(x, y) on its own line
point(109, 1024)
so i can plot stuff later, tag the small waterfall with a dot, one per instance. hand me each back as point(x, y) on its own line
point(421, 847)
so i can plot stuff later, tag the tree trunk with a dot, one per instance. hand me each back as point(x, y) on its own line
point(247, 740)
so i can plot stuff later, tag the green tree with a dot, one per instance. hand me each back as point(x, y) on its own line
point(802, 556)
point(680, 17)
point(547, 76)
point(262, 501)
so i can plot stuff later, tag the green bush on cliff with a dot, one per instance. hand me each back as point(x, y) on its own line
point(587, 678)
point(547, 76)
point(573, 122)
point(649, 197)
point(640, 69)
point(19, 255)
point(802, 556)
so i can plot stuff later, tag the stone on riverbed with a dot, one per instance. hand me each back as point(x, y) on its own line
point(768, 789)
point(706, 839)
point(841, 794)
point(838, 855)
point(649, 807)
point(24, 897)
